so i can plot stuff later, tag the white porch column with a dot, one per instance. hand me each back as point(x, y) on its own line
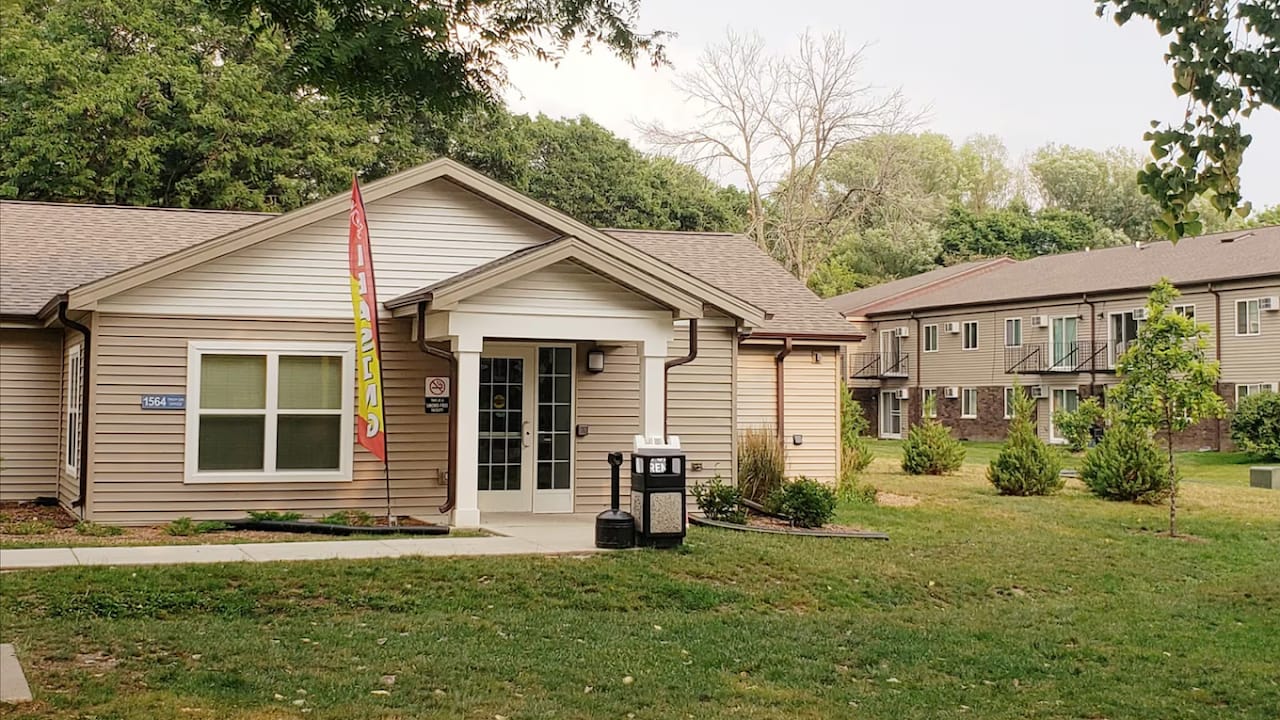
point(653, 358)
point(466, 508)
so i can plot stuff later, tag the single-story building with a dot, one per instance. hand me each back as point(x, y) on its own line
point(158, 363)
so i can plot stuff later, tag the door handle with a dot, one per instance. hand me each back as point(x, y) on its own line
point(527, 433)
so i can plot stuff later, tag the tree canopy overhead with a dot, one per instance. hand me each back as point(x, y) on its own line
point(1225, 56)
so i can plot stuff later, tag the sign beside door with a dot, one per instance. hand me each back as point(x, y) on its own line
point(437, 397)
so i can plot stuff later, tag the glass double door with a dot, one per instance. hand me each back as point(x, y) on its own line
point(526, 429)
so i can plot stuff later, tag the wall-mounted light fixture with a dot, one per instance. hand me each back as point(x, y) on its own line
point(797, 439)
point(817, 358)
point(595, 361)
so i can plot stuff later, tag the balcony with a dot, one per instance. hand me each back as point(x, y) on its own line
point(879, 365)
point(1070, 357)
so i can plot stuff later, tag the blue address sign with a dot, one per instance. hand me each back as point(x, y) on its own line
point(164, 402)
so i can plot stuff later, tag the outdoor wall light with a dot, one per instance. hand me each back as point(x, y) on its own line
point(595, 361)
point(797, 439)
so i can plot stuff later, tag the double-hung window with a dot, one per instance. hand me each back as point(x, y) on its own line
point(1248, 317)
point(971, 335)
point(931, 338)
point(1186, 311)
point(1013, 332)
point(269, 412)
point(1245, 390)
point(73, 408)
point(969, 403)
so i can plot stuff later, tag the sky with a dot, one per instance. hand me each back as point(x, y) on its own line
point(1030, 71)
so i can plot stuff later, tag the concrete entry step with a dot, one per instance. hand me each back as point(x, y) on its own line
point(13, 684)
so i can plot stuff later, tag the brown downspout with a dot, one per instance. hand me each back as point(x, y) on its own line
point(83, 470)
point(452, 466)
point(1217, 355)
point(1093, 339)
point(780, 393)
point(666, 367)
point(919, 354)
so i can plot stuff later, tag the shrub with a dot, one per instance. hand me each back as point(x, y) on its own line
point(1127, 465)
point(92, 529)
point(761, 463)
point(930, 450)
point(848, 489)
point(720, 501)
point(853, 433)
point(1026, 465)
point(1077, 425)
point(274, 516)
point(27, 527)
point(355, 518)
point(1255, 426)
point(186, 527)
point(806, 503)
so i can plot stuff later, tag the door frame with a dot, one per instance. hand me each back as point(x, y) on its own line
point(556, 501)
point(1073, 349)
point(522, 500)
point(885, 413)
point(1053, 407)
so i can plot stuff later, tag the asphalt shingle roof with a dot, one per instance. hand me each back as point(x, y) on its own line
point(851, 302)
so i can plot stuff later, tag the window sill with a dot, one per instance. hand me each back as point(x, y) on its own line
point(968, 417)
point(261, 478)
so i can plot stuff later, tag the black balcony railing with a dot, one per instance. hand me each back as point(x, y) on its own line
point(1069, 357)
point(879, 365)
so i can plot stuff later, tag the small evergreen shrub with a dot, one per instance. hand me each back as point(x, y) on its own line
point(1127, 465)
point(186, 527)
point(853, 433)
point(274, 516)
point(354, 518)
point(761, 463)
point(929, 448)
point(1255, 426)
point(848, 488)
point(92, 529)
point(1026, 465)
point(806, 503)
point(720, 501)
point(1077, 425)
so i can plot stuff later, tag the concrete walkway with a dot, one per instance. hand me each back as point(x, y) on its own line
point(514, 534)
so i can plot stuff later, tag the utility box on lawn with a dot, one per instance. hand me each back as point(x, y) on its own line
point(658, 492)
point(1265, 477)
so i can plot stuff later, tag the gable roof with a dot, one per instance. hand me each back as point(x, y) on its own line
point(1223, 256)
point(49, 248)
point(733, 262)
point(865, 298)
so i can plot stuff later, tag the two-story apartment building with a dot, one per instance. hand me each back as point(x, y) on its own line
point(1056, 324)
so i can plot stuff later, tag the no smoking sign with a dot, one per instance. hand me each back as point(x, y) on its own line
point(437, 399)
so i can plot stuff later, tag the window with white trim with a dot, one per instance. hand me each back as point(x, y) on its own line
point(971, 335)
point(1245, 390)
point(1013, 332)
point(1248, 317)
point(73, 408)
point(931, 338)
point(969, 402)
point(269, 412)
point(1186, 311)
point(1008, 403)
point(930, 399)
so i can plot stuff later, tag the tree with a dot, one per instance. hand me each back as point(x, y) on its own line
point(1020, 233)
point(1100, 184)
point(1269, 216)
point(777, 121)
point(875, 256)
point(1225, 56)
point(1167, 383)
point(984, 173)
point(438, 56)
point(1026, 465)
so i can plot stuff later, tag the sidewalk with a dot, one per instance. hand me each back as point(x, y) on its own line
point(566, 535)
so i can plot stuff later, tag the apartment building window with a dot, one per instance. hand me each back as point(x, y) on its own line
point(971, 335)
point(969, 403)
point(1186, 311)
point(1244, 391)
point(1013, 332)
point(931, 338)
point(930, 399)
point(1248, 318)
point(1008, 403)
point(73, 407)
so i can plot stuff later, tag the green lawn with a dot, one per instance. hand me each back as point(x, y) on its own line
point(980, 607)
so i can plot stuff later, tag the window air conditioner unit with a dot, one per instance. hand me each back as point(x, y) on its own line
point(903, 331)
point(903, 393)
point(953, 328)
point(1269, 303)
point(951, 393)
point(1038, 391)
point(1140, 313)
point(1040, 320)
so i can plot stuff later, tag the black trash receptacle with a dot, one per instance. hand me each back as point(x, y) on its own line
point(615, 528)
point(658, 495)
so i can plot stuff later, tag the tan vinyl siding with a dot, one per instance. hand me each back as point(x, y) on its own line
point(420, 236)
point(30, 413)
point(811, 404)
point(138, 465)
point(608, 404)
point(1250, 358)
point(757, 407)
point(700, 399)
point(564, 289)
